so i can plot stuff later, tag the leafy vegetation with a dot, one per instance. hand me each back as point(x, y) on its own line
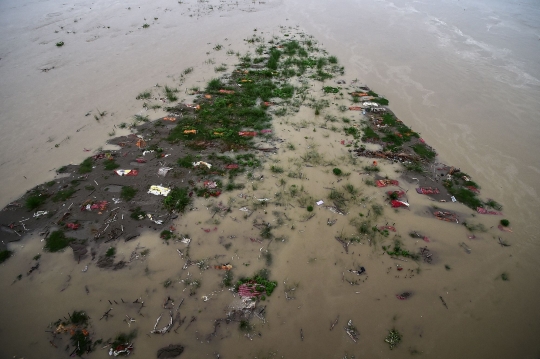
point(4, 255)
point(86, 166)
point(64, 195)
point(35, 200)
point(261, 281)
point(56, 241)
point(423, 151)
point(127, 193)
point(111, 165)
point(138, 214)
point(177, 200)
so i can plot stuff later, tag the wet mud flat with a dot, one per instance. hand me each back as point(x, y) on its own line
point(283, 149)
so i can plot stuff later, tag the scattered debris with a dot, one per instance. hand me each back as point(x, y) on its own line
point(351, 331)
point(159, 190)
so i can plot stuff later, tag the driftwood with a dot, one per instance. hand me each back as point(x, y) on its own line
point(343, 243)
point(334, 323)
point(443, 302)
point(191, 321)
point(310, 217)
point(106, 314)
point(351, 331)
point(166, 328)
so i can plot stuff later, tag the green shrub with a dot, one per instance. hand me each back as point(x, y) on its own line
point(310, 208)
point(145, 95)
point(111, 252)
point(186, 161)
point(505, 222)
point(138, 214)
point(178, 199)
point(128, 193)
point(35, 200)
point(63, 195)
point(4, 255)
point(423, 151)
point(86, 165)
point(276, 169)
point(337, 171)
point(56, 241)
point(111, 165)
point(166, 234)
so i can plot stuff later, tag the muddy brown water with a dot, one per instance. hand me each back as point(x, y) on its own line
point(429, 61)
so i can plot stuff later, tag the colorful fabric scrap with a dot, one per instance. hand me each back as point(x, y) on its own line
point(384, 183)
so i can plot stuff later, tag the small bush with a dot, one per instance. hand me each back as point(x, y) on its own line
point(63, 195)
point(145, 95)
point(111, 165)
point(86, 166)
point(337, 171)
point(178, 199)
point(4, 255)
point(310, 208)
point(138, 214)
point(166, 234)
point(35, 200)
point(423, 151)
point(505, 222)
point(377, 209)
point(60, 44)
point(276, 169)
point(186, 162)
point(111, 252)
point(128, 193)
point(57, 241)
point(79, 318)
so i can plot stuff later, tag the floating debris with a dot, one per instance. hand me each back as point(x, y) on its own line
point(351, 331)
point(159, 190)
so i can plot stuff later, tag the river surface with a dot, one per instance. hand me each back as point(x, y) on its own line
point(465, 74)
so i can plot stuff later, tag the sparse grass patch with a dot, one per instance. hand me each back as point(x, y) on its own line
point(170, 93)
point(276, 169)
point(377, 210)
point(145, 95)
point(141, 118)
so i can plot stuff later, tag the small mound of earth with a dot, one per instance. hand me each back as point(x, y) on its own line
point(79, 250)
point(170, 351)
point(108, 263)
